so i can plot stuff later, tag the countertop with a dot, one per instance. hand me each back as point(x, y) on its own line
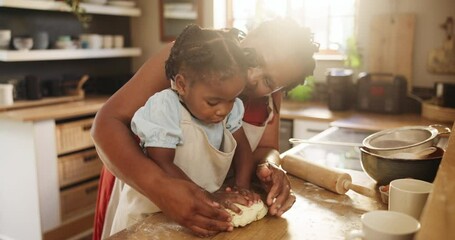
point(351, 119)
point(289, 110)
point(59, 111)
point(317, 214)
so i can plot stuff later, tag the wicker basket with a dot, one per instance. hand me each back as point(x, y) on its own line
point(79, 166)
point(78, 200)
point(74, 136)
point(437, 113)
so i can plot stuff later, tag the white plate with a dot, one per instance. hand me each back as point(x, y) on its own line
point(122, 3)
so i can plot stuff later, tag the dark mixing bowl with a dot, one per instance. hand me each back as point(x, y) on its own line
point(385, 169)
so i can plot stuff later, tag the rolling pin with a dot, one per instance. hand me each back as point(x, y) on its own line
point(329, 178)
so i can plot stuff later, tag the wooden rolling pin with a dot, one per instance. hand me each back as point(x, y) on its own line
point(329, 178)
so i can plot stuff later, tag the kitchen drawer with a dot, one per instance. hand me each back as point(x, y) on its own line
point(78, 166)
point(306, 129)
point(78, 199)
point(74, 135)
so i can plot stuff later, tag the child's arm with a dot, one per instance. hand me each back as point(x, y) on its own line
point(164, 157)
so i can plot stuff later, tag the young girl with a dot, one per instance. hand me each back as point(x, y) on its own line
point(194, 130)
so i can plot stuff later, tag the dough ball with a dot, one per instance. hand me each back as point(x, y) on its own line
point(249, 214)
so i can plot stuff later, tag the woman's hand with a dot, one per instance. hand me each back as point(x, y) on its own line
point(192, 207)
point(249, 195)
point(280, 197)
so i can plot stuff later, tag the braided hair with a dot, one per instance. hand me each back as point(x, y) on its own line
point(204, 53)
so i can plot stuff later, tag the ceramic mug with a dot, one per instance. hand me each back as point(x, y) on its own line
point(386, 225)
point(6, 94)
point(5, 38)
point(409, 196)
point(119, 41)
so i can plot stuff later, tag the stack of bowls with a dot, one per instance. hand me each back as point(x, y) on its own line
point(407, 152)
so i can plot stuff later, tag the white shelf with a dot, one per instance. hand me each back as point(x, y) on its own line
point(66, 54)
point(183, 15)
point(60, 6)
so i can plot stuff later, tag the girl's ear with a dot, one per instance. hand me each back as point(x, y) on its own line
point(181, 84)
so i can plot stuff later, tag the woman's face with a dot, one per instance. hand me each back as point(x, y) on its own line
point(275, 72)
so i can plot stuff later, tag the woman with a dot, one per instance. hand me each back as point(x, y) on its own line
point(283, 54)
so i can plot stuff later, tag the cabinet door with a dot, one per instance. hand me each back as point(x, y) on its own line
point(175, 15)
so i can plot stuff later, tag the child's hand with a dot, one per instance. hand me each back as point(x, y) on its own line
point(249, 195)
point(228, 198)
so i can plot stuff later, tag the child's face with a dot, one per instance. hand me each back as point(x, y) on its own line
point(212, 100)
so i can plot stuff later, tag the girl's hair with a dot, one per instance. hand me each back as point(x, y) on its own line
point(287, 36)
point(206, 53)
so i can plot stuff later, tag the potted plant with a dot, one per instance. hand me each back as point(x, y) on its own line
point(79, 12)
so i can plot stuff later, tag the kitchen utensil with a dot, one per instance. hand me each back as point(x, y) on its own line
point(381, 92)
point(323, 176)
point(409, 139)
point(434, 112)
point(23, 43)
point(385, 225)
point(5, 38)
point(40, 40)
point(6, 94)
point(340, 85)
point(333, 143)
point(391, 44)
point(385, 169)
point(420, 154)
point(409, 196)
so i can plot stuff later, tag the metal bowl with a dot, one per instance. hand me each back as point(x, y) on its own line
point(385, 169)
point(404, 139)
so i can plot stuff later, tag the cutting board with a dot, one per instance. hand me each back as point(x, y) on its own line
point(391, 44)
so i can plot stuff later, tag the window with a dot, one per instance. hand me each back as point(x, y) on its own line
point(331, 21)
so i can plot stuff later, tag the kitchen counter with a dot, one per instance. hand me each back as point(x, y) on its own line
point(317, 214)
point(289, 110)
point(351, 119)
point(88, 106)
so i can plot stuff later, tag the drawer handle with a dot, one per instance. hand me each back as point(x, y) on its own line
point(314, 130)
point(91, 190)
point(90, 158)
point(87, 127)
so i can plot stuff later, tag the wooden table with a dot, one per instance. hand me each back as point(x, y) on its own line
point(317, 214)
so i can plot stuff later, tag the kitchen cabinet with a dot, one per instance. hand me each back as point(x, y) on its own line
point(176, 14)
point(68, 54)
point(48, 171)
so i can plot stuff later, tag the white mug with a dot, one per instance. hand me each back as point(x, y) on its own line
point(108, 41)
point(119, 41)
point(5, 38)
point(6, 94)
point(386, 225)
point(409, 196)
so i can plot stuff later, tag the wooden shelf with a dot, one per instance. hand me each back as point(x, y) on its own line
point(66, 54)
point(62, 7)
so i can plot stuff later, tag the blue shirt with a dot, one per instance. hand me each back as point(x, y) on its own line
point(157, 123)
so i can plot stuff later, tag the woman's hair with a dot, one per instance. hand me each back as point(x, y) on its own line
point(286, 36)
point(206, 54)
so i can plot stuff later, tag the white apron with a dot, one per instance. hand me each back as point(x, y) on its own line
point(204, 164)
point(254, 133)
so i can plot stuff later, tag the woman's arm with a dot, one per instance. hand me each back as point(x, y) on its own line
point(119, 151)
point(273, 178)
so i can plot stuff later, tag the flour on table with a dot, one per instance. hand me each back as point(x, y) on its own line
point(249, 214)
